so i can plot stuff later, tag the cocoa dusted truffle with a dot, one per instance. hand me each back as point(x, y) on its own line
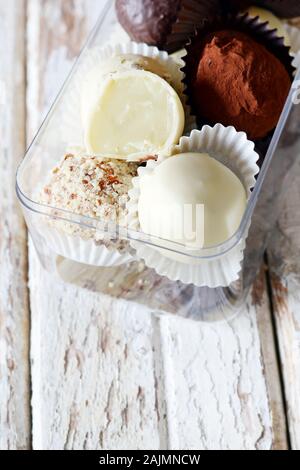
point(164, 23)
point(238, 82)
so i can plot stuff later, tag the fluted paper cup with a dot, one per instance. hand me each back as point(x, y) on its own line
point(232, 149)
point(243, 23)
point(294, 35)
point(190, 14)
point(89, 251)
point(72, 128)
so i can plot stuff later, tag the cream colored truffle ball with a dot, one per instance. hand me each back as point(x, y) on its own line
point(191, 199)
point(130, 114)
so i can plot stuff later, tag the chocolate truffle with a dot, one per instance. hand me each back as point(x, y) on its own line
point(152, 21)
point(148, 21)
point(238, 82)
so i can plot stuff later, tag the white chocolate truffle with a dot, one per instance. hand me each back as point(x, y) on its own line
point(127, 62)
point(171, 195)
point(274, 22)
point(130, 114)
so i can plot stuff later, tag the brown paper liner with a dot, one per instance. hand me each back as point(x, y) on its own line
point(164, 23)
point(191, 14)
point(281, 8)
point(245, 24)
point(261, 147)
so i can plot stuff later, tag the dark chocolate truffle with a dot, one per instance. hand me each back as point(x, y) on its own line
point(156, 21)
point(239, 82)
point(148, 21)
point(281, 8)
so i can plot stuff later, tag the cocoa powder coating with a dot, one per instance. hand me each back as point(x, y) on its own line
point(239, 82)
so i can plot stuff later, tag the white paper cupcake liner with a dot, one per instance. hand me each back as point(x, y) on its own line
point(72, 129)
point(232, 149)
point(80, 250)
point(294, 35)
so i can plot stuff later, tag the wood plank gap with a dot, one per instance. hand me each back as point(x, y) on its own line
point(160, 389)
point(277, 349)
point(27, 143)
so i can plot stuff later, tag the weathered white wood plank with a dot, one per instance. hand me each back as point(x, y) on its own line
point(14, 314)
point(95, 383)
point(105, 373)
point(284, 258)
point(286, 300)
point(284, 255)
point(94, 375)
point(220, 392)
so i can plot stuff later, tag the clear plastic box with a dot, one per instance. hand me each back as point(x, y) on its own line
point(132, 280)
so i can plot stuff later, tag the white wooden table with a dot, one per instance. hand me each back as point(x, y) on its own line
point(80, 370)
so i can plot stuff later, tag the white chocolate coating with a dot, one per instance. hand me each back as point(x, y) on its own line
point(274, 22)
point(185, 181)
point(127, 62)
point(130, 114)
